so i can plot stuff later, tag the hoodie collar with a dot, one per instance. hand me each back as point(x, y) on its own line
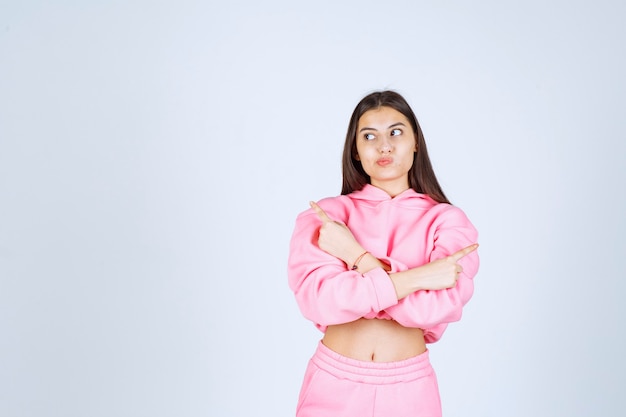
point(375, 194)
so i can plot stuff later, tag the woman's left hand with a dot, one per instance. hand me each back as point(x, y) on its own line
point(336, 239)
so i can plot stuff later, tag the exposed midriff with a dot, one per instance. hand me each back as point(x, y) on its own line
point(375, 340)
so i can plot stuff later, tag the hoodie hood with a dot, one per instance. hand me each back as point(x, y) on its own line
point(407, 198)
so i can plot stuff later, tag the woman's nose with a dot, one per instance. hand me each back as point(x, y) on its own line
point(385, 145)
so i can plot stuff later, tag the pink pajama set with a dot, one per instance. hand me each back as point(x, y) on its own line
point(405, 232)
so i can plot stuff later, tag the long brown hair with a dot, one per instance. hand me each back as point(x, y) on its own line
point(421, 176)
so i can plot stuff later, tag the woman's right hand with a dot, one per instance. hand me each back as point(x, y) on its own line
point(444, 272)
point(436, 275)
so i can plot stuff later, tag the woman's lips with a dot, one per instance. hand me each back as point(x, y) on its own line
point(384, 161)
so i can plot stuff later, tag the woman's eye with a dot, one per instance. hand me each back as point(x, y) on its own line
point(369, 136)
point(396, 132)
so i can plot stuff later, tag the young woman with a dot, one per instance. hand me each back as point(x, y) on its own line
point(381, 270)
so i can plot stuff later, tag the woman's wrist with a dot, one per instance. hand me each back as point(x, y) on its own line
point(406, 282)
point(355, 264)
point(353, 256)
point(369, 262)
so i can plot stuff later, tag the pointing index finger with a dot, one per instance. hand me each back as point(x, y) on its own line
point(463, 252)
point(320, 213)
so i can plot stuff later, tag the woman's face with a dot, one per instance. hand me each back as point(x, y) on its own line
point(385, 145)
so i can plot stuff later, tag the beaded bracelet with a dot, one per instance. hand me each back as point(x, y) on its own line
point(356, 263)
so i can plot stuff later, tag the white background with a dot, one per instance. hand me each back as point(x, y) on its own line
point(154, 156)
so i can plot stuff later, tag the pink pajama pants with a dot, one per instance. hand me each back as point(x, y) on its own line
point(337, 386)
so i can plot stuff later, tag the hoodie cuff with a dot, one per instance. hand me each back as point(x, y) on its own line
point(383, 287)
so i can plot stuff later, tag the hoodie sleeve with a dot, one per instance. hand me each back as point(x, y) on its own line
point(432, 310)
point(325, 290)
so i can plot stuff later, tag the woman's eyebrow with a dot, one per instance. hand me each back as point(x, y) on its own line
point(391, 126)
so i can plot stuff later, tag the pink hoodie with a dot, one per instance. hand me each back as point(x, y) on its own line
point(406, 231)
